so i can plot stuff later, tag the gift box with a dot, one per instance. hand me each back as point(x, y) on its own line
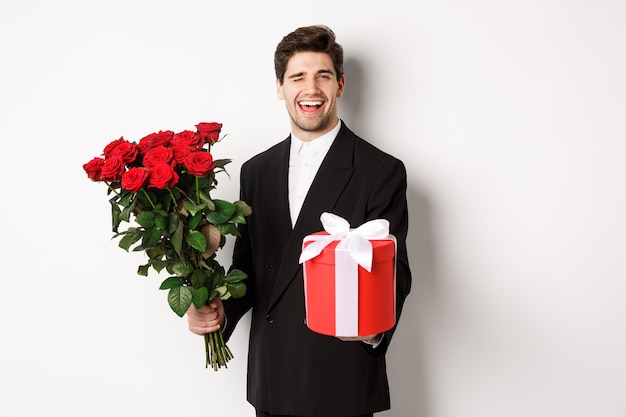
point(350, 278)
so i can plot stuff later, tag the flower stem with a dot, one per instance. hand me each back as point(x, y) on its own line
point(229, 354)
point(206, 349)
point(217, 353)
point(112, 189)
point(173, 198)
point(149, 199)
point(197, 190)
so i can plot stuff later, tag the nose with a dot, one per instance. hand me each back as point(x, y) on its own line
point(311, 85)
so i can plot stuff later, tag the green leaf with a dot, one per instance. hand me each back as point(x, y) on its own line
point(221, 163)
point(126, 197)
point(238, 217)
point(171, 282)
point(179, 299)
point(244, 207)
point(206, 182)
point(146, 219)
point(210, 204)
point(200, 296)
point(207, 199)
point(125, 214)
point(196, 240)
point(221, 290)
point(198, 278)
point(158, 265)
point(235, 275)
point(217, 280)
point(151, 238)
point(161, 222)
point(223, 212)
point(167, 203)
point(172, 224)
point(132, 236)
point(115, 215)
point(195, 221)
point(193, 208)
point(177, 238)
point(228, 229)
point(143, 270)
point(182, 268)
point(155, 253)
point(237, 290)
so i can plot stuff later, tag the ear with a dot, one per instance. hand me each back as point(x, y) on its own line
point(341, 86)
point(279, 90)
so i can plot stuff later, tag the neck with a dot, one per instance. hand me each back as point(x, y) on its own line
point(309, 135)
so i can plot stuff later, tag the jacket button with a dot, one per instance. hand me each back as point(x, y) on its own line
point(269, 319)
point(269, 267)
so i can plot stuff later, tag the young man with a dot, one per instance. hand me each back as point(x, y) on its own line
point(321, 167)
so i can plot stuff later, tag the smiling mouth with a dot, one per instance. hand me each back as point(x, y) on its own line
point(310, 106)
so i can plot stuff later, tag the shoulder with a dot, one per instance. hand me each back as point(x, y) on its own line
point(269, 157)
point(367, 153)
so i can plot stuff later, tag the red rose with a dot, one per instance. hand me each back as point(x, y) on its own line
point(108, 150)
point(158, 155)
point(134, 179)
point(93, 168)
point(112, 169)
point(153, 140)
point(199, 163)
point(127, 151)
point(181, 152)
point(162, 176)
point(187, 138)
point(209, 132)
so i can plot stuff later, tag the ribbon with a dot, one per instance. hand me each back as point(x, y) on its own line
point(356, 241)
point(354, 249)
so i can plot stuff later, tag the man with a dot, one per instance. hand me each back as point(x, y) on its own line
point(321, 167)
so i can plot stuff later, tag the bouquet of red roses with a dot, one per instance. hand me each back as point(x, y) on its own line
point(162, 187)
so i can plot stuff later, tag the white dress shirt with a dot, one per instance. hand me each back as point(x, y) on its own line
point(305, 159)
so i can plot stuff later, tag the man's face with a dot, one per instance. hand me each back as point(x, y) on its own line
point(310, 90)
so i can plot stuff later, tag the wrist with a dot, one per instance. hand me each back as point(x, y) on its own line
point(374, 341)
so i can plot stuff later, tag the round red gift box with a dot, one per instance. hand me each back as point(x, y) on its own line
point(376, 290)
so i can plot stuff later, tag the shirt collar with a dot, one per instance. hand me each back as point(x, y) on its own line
point(316, 144)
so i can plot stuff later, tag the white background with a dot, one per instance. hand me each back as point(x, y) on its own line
point(509, 115)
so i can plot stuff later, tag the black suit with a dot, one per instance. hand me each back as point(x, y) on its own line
point(292, 370)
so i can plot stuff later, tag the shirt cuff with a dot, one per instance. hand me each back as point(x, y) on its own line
point(375, 341)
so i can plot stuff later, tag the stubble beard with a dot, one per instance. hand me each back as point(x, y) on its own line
point(318, 123)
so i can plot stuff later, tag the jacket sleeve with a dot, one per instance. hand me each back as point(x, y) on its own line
point(236, 308)
point(387, 200)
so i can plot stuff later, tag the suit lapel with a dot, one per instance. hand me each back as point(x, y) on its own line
point(276, 192)
point(331, 179)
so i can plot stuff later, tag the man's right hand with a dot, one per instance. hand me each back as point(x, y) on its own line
point(207, 319)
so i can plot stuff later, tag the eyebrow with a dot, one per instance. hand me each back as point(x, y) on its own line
point(322, 71)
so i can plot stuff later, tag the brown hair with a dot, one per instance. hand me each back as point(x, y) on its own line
point(310, 39)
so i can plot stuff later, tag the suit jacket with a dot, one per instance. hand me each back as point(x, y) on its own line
point(292, 370)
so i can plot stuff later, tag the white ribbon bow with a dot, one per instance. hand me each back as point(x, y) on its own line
point(355, 240)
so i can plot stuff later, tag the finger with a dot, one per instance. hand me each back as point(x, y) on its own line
point(202, 330)
point(193, 311)
point(204, 326)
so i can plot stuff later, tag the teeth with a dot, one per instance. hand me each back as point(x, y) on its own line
point(310, 103)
